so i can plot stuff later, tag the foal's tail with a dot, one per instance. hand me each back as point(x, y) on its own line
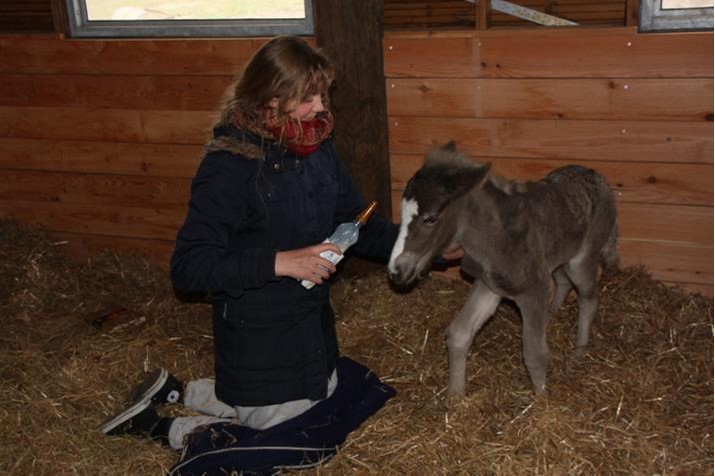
point(609, 252)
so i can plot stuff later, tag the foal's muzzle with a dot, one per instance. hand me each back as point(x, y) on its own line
point(404, 270)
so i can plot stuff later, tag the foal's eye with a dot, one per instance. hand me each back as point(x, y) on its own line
point(429, 219)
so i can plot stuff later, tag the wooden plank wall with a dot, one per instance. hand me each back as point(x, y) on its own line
point(638, 108)
point(99, 138)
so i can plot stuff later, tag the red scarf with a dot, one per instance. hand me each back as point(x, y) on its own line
point(304, 137)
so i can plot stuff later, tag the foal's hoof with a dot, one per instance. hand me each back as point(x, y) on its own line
point(540, 393)
point(580, 353)
point(455, 395)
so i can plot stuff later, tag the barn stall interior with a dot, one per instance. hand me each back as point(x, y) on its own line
point(99, 139)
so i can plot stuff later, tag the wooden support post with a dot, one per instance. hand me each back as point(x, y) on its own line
point(59, 16)
point(482, 14)
point(350, 32)
point(632, 12)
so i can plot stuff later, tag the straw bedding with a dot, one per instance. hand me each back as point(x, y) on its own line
point(640, 403)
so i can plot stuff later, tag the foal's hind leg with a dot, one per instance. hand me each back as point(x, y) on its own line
point(563, 286)
point(481, 304)
point(534, 317)
point(583, 273)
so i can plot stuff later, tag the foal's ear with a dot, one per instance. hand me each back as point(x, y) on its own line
point(450, 146)
point(471, 177)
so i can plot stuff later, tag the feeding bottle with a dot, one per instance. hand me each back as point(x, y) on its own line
point(344, 236)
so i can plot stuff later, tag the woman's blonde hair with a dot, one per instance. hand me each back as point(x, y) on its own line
point(285, 67)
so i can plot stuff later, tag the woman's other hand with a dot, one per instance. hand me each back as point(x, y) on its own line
point(453, 252)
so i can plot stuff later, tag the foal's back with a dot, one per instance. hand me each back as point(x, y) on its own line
point(583, 211)
point(569, 202)
point(547, 222)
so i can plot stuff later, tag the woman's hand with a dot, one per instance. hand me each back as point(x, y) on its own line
point(306, 263)
point(453, 252)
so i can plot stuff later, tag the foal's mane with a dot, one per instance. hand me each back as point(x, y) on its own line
point(458, 160)
point(506, 185)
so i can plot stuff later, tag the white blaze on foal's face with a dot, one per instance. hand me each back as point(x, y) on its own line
point(408, 211)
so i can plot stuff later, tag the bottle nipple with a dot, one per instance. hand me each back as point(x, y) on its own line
point(364, 215)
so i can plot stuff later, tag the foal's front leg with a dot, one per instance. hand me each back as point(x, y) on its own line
point(481, 304)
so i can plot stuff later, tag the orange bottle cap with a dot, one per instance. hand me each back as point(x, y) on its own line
point(364, 215)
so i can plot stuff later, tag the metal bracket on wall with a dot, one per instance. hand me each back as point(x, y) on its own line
point(528, 13)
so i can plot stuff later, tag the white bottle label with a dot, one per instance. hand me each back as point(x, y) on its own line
point(331, 256)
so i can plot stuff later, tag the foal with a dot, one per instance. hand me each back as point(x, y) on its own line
point(516, 237)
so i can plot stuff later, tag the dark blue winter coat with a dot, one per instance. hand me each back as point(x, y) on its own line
point(274, 341)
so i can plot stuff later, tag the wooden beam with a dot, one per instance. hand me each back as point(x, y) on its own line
point(86, 156)
point(103, 190)
point(551, 53)
point(181, 56)
point(157, 92)
point(656, 99)
point(129, 222)
point(351, 34)
point(112, 125)
point(620, 141)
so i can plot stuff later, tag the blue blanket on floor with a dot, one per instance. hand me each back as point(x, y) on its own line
point(302, 442)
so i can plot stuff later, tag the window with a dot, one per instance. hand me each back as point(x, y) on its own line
point(679, 15)
point(189, 18)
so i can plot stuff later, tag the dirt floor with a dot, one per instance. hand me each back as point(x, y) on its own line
point(640, 403)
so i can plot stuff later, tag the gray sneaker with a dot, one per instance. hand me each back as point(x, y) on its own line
point(159, 387)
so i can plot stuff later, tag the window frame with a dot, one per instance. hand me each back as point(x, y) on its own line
point(81, 27)
point(653, 18)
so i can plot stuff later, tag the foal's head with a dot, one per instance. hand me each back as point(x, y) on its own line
point(430, 210)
